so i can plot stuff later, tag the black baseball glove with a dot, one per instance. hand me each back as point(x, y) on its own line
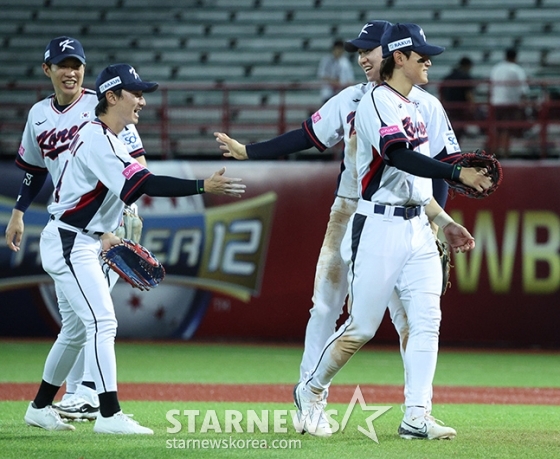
point(135, 264)
point(481, 160)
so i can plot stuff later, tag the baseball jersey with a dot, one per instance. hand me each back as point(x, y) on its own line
point(98, 177)
point(49, 133)
point(334, 122)
point(443, 141)
point(385, 117)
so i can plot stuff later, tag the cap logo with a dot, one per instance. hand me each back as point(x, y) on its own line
point(423, 35)
point(109, 84)
point(47, 55)
point(65, 44)
point(133, 72)
point(364, 28)
point(400, 44)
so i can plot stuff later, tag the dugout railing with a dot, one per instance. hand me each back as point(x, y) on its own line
point(180, 118)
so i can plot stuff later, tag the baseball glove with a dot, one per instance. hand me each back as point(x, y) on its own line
point(135, 264)
point(481, 160)
point(131, 224)
point(445, 258)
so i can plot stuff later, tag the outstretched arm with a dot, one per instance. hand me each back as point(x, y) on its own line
point(285, 144)
point(217, 183)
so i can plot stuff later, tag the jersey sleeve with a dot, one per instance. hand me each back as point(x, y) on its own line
point(111, 163)
point(325, 127)
point(132, 141)
point(443, 141)
point(378, 117)
point(29, 157)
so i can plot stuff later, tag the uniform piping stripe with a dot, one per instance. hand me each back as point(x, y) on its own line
point(68, 238)
point(311, 134)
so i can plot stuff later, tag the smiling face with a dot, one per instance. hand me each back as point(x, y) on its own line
point(67, 78)
point(416, 68)
point(370, 62)
point(123, 110)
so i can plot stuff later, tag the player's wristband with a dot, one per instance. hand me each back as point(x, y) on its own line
point(456, 173)
point(442, 219)
point(200, 186)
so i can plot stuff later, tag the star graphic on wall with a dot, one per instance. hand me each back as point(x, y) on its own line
point(135, 302)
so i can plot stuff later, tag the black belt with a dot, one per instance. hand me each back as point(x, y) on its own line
point(405, 212)
point(85, 231)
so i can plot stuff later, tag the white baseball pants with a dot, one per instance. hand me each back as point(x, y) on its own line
point(386, 253)
point(71, 258)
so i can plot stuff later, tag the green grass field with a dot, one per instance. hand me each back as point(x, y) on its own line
point(484, 431)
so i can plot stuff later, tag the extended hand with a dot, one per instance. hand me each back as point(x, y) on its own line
point(231, 147)
point(218, 184)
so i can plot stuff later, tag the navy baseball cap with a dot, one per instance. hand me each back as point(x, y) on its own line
point(61, 48)
point(407, 37)
point(369, 38)
point(121, 76)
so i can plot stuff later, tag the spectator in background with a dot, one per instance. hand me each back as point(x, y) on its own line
point(335, 71)
point(457, 95)
point(508, 89)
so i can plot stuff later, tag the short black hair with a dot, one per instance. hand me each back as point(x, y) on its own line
point(466, 62)
point(511, 53)
point(338, 43)
point(102, 105)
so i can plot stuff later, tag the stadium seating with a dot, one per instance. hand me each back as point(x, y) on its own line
point(260, 42)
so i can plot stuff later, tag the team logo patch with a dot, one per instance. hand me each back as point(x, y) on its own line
point(316, 117)
point(85, 115)
point(389, 130)
point(132, 169)
point(450, 140)
point(109, 84)
point(400, 44)
point(21, 150)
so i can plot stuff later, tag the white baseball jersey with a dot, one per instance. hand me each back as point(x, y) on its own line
point(385, 117)
point(334, 122)
point(49, 133)
point(98, 177)
point(443, 141)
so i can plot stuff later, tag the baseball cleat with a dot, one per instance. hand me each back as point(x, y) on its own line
point(46, 418)
point(425, 427)
point(119, 423)
point(311, 416)
point(83, 405)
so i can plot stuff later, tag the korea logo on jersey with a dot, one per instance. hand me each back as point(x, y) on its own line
point(85, 115)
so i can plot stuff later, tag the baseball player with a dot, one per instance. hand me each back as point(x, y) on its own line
point(333, 122)
point(388, 244)
point(50, 129)
point(98, 177)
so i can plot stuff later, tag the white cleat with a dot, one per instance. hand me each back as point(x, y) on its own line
point(119, 423)
point(425, 427)
point(46, 418)
point(83, 405)
point(311, 417)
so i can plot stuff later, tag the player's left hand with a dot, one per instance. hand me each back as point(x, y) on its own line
point(231, 147)
point(458, 238)
point(108, 240)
